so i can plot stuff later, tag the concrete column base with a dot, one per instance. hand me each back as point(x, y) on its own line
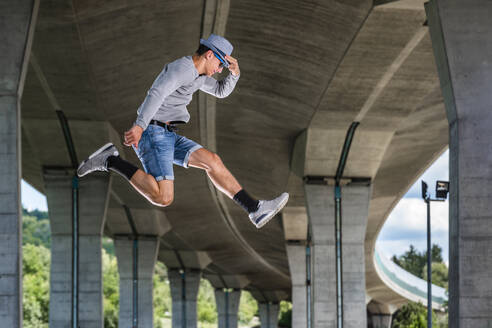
point(184, 291)
point(296, 255)
point(321, 208)
point(459, 30)
point(140, 312)
point(93, 197)
point(18, 21)
point(268, 314)
point(381, 320)
point(227, 307)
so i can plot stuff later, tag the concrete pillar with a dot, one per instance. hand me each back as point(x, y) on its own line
point(93, 199)
point(381, 320)
point(296, 255)
point(321, 211)
point(136, 310)
point(268, 314)
point(227, 302)
point(461, 34)
point(184, 291)
point(18, 21)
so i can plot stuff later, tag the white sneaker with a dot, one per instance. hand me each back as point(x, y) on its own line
point(267, 210)
point(98, 160)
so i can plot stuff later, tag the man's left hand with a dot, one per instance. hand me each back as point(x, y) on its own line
point(233, 65)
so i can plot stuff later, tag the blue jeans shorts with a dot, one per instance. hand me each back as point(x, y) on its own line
point(159, 148)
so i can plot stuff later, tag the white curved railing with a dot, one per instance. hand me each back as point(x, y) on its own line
point(406, 284)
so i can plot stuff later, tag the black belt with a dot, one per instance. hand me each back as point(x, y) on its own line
point(171, 126)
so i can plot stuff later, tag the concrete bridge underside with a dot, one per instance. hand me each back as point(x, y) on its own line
point(309, 70)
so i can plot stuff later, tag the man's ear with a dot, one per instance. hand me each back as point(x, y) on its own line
point(209, 54)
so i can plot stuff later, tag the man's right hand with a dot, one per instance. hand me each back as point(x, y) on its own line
point(132, 136)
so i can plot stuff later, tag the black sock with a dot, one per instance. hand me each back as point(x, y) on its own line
point(122, 167)
point(244, 200)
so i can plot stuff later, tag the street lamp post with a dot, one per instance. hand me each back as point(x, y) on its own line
point(442, 189)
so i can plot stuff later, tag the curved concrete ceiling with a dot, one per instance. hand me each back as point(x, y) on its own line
point(307, 68)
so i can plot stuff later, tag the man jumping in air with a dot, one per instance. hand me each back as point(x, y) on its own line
point(158, 146)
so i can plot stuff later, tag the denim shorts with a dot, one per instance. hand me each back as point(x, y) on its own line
point(159, 148)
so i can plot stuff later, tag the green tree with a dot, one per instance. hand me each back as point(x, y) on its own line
point(36, 231)
point(285, 315)
point(248, 308)
point(439, 274)
point(35, 266)
point(414, 261)
point(414, 315)
point(110, 290)
point(411, 315)
point(206, 306)
point(162, 296)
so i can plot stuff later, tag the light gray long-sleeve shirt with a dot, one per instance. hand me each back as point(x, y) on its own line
point(173, 89)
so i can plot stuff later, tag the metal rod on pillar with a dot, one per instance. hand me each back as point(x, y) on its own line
point(338, 219)
point(75, 252)
point(183, 297)
point(308, 282)
point(338, 245)
point(429, 268)
point(227, 308)
point(135, 282)
point(135, 266)
point(75, 217)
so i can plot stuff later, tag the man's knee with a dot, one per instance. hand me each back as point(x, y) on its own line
point(164, 200)
point(216, 162)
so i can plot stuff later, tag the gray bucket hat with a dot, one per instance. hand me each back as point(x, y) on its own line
point(220, 46)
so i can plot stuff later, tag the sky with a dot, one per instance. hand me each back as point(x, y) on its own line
point(405, 225)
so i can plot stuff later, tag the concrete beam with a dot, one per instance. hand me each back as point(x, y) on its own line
point(136, 310)
point(18, 21)
point(321, 209)
point(178, 259)
point(220, 281)
point(295, 222)
point(461, 34)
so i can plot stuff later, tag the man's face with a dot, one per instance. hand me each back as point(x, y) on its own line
point(214, 65)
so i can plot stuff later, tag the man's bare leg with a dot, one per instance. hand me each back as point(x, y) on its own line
point(221, 177)
point(259, 212)
point(160, 193)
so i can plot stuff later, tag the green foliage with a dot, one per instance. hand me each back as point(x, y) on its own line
point(439, 274)
point(108, 245)
point(414, 261)
point(35, 265)
point(206, 306)
point(39, 215)
point(110, 290)
point(36, 231)
point(285, 316)
point(248, 308)
point(161, 296)
point(414, 315)
point(411, 315)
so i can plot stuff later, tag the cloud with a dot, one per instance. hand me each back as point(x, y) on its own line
point(439, 170)
point(407, 224)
